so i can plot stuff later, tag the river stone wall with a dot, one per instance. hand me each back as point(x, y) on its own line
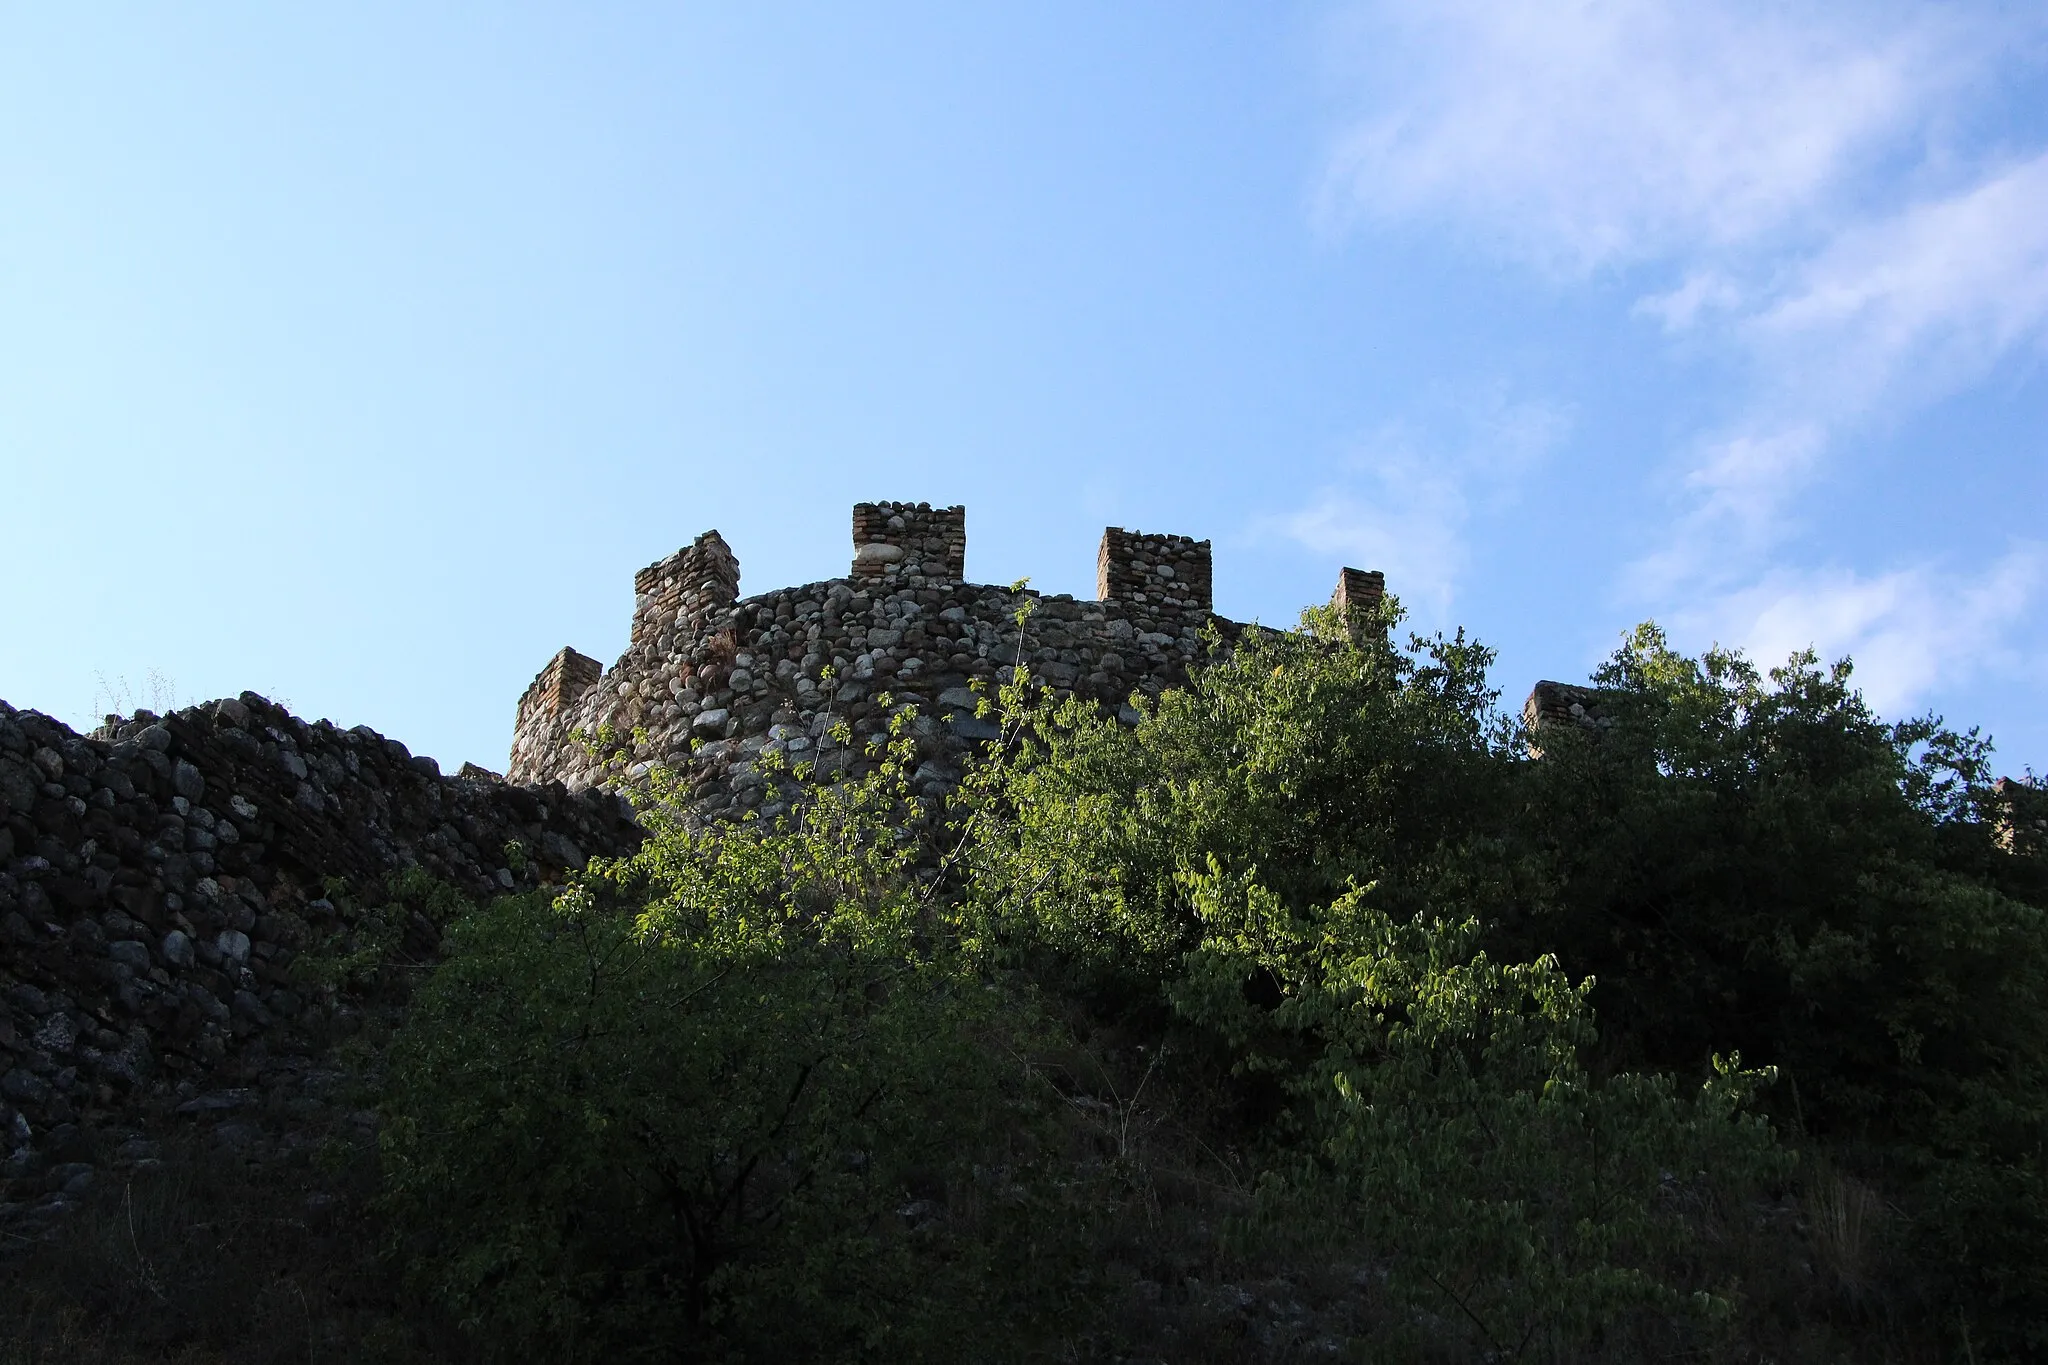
point(899, 543)
point(159, 878)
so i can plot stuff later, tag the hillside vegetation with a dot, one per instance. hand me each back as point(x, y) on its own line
point(1308, 1017)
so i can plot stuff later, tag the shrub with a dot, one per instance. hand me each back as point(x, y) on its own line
point(725, 1096)
point(1508, 1203)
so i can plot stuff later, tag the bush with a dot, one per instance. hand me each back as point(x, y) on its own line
point(1321, 760)
point(723, 1097)
point(1509, 1203)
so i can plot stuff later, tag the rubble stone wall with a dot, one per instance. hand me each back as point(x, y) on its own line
point(694, 581)
point(1359, 589)
point(1562, 704)
point(159, 879)
point(2022, 817)
point(560, 685)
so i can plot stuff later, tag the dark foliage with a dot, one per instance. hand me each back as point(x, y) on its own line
point(1313, 1015)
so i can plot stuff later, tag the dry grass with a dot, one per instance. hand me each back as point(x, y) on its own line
point(1846, 1219)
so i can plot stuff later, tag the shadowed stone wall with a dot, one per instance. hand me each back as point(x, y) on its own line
point(160, 878)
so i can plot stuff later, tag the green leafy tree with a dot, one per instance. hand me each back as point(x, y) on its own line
point(1510, 1203)
point(1324, 758)
point(1291, 855)
point(1755, 860)
point(777, 1089)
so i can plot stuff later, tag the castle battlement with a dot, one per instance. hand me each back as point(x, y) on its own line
point(1156, 571)
point(774, 671)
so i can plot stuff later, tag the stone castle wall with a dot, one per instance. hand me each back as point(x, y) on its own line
point(560, 685)
point(776, 671)
point(159, 879)
point(691, 583)
point(1359, 590)
point(2021, 816)
point(1559, 704)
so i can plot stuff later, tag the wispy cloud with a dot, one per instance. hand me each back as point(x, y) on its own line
point(1797, 174)
point(1911, 631)
point(1737, 500)
point(1908, 306)
point(1398, 514)
point(1703, 293)
point(1403, 500)
point(1891, 314)
point(1585, 134)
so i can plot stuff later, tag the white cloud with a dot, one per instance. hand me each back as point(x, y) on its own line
point(1744, 480)
point(1892, 314)
point(1910, 631)
point(1807, 180)
point(1403, 503)
point(1704, 291)
point(1403, 518)
point(1910, 306)
point(1505, 440)
point(1584, 134)
point(1739, 492)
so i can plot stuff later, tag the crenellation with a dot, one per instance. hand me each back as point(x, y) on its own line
point(1556, 704)
point(559, 686)
point(687, 587)
point(709, 682)
point(2020, 817)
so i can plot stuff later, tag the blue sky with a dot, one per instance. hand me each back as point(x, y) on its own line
point(359, 354)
